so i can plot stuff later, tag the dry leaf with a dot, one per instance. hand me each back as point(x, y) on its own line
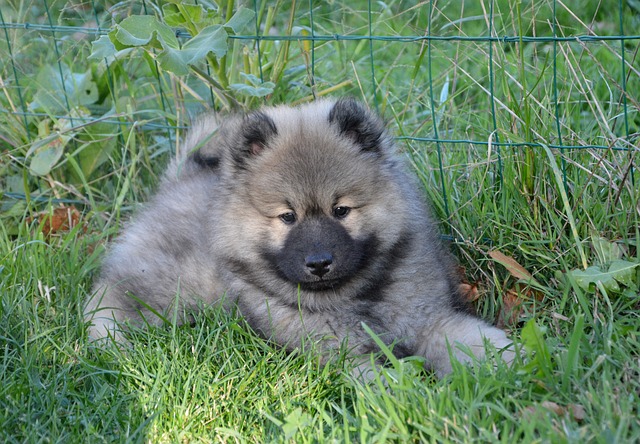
point(513, 267)
point(576, 411)
point(469, 292)
point(512, 301)
point(513, 298)
point(554, 407)
point(59, 219)
point(511, 309)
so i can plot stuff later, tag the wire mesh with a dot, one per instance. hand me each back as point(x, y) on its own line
point(451, 76)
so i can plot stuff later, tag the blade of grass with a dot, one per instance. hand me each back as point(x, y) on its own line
point(565, 202)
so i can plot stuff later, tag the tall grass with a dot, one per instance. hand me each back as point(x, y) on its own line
point(496, 108)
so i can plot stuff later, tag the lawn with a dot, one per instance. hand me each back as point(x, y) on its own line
point(527, 146)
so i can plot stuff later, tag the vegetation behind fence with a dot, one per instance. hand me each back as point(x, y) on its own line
point(498, 80)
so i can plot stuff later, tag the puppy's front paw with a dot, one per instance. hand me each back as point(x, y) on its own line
point(503, 345)
point(474, 335)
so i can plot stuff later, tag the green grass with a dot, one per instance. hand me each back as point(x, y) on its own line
point(579, 377)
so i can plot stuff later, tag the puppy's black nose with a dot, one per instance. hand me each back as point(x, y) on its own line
point(319, 264)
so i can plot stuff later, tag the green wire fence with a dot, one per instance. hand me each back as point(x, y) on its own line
point(462, 84)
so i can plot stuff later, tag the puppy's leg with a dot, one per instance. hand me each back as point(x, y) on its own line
point(458, 333)
point(102, 314)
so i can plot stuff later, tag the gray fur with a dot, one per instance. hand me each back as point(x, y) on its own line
point(305, 219)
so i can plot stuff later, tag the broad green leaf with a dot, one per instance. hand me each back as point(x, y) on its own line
point(534, 343)
point(295, 421)
point(174, 16)
point(605, 250)
point(100, 141)
point(15, 210)
point(593, 274)
point(533, 338)
point(254, 80)
point(103, 48)
point(47, 153)
point(253, 91)
point(173, 60)
point(139, 30)
point(14, 183)
point(210, 39)
point(240, 20)
point(256, 89)
point(624, 272)
point(50, 94)
point(60, 89)
point(44, 160)
point(84, 91)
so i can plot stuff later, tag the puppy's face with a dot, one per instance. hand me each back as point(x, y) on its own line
point(316, 199)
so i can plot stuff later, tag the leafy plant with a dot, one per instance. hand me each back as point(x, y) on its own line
point(612, 273)
point(204, 52)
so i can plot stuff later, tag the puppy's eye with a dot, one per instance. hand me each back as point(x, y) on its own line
point(288, 218)
point(341, 212)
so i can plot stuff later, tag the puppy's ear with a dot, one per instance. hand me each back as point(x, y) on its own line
point(358, 124)
point(201, 144)
point(255, 132)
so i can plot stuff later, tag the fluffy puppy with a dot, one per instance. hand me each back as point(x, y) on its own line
point(306, 220)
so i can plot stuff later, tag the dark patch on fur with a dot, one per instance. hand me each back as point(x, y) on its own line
point(314, 211)
point(247, 271)
point(386, 266)
point(458, 301)
point(179, 247)
point(398, 349)
point(376, 268)
point(256, 131)
point(319, 237)
point(207, 162)
point(240, 268)
point(132, 291)
point(357, 123)
point(401, 351)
